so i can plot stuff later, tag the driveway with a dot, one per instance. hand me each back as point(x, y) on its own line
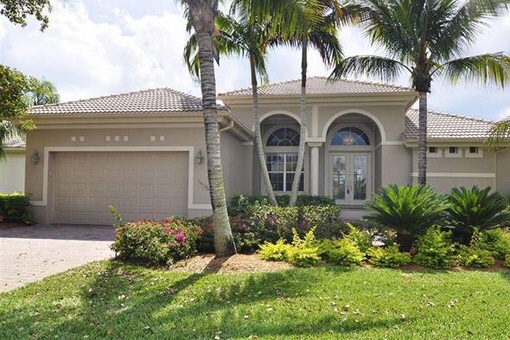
point(29, 254)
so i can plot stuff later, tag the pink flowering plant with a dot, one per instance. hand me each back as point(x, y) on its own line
point(156, 242)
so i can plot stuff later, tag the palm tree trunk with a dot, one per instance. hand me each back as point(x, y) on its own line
point(302, 132)
point(422, 138)
point(223, 240)
point(258, 135)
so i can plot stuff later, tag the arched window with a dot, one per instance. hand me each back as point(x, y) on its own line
point(281, 158)
point(350, 136)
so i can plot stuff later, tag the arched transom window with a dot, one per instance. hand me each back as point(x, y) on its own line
point(281, 158)
point(350, 136)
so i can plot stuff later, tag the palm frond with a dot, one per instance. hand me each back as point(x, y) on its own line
point(499, 136)
point(484, 68)
point(382, 68)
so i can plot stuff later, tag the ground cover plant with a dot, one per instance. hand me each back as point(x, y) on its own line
point(110, 300)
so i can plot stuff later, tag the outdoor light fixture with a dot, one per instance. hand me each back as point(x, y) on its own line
point(35, 157)
point(199, 157)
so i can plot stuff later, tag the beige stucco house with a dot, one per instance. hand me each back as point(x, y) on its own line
point(12, 166)
point(143, 152)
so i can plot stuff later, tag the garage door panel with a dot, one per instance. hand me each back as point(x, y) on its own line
point(140, 184)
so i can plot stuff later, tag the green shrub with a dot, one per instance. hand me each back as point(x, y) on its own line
point(507, 261)
point(496, 241)
point(156, 242)
point(15, 208)
point(274, 251)
point(205, 242)
point(409, 210)
point(475, 257)
point(389, 257)
point(435, 249)
point(476, 208)
point(303, 252)
point(361, 238)
point(343, 252)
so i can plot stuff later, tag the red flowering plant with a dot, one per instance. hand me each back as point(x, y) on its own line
point(156, 242)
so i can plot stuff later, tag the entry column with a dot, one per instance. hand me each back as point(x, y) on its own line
point(314, 167)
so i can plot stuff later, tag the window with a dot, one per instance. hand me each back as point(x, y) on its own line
point(474, 152)
point(432, 149)
point(281, 159)
point(434, 152)
point(350, 136)
point(454, 152)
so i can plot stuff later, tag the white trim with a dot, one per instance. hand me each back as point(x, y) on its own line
point(362, 112)
point(390, 143)
point(438, 154)
point(280, 112)
point(447, 153)
point(315, 121)
point(189, 149)
point(458, 174)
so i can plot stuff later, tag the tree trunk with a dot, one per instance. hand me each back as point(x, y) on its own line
point(422, 139)
point(258, 136)
point(302, 131)
point(202, 14)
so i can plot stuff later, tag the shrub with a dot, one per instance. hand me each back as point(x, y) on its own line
point(343, 252)
point(476, 208)
point(496, 241)
point(15, 208)
point(156, 242)
point(361, 238)
point(435, 249)
point(475, 257)
point(274, 251)
point(303, 252)
point(389, 257)
point(507, 261)
point(205, 242)
point(409, 210)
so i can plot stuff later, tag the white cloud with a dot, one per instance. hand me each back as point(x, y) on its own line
point(505, 114)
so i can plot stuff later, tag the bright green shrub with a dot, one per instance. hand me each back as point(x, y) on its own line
point(496, 241)
point(156, 242)
point(361, 238)
point(389, 257)
point(343, 252)
point(476, 208)
point(15, 208)
point(409, 210)
point(274, 251)
point(507, 261)
point(435, 249)
point(475, 257)
point(303, 252)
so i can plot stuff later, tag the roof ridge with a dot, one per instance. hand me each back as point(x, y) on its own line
point(457, 116)
point(365, 82)
point(112, 96)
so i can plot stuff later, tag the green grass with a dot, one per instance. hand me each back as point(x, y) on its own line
point(111, 300)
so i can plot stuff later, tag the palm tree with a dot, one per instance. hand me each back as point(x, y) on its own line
point(42, 92)
point(426, 38)
point(499, 135)
point(246, 36)
point(321, 34)
point(201, 14)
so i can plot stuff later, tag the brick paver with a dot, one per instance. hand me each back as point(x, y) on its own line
point(29, 254)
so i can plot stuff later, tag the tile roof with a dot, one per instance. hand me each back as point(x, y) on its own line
point(14, 141)
point(448, 126)
point(320, 86)
point(146, 101)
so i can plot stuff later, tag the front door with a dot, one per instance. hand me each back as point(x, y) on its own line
point(350, 177)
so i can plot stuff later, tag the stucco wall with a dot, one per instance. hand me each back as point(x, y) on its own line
point(12, 172)
point(503, 171)
point(395, 165)
point(237, 165)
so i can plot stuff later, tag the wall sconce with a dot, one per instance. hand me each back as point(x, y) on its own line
point(35, 157)
point(199, 156)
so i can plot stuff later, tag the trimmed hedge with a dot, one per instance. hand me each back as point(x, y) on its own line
point(15, 208)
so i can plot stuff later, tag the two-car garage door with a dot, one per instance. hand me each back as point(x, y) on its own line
point(141, 185)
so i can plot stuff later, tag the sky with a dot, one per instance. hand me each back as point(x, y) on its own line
point(96, 48)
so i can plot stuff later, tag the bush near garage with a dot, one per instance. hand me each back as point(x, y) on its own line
point(15, 208)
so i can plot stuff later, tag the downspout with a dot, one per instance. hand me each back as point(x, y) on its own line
point(228, 127)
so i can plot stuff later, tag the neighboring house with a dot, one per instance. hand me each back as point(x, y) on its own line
point(143, 152)
point(12, 167)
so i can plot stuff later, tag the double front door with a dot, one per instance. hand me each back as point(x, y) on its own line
point(350, 177)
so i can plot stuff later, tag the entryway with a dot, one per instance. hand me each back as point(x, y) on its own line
point(350, 177)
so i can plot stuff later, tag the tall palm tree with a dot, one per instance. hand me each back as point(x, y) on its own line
point(201, 14)
point(426, 38)
point(322, 35)
point(243, 35)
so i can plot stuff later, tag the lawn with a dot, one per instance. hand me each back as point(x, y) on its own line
point(111, 300)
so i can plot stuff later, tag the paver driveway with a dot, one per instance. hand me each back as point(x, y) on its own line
point(29, 254)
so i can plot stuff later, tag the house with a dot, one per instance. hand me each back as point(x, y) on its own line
point(143, 152)
point(12, 166)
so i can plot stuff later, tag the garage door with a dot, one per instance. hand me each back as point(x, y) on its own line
point(142, 185)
